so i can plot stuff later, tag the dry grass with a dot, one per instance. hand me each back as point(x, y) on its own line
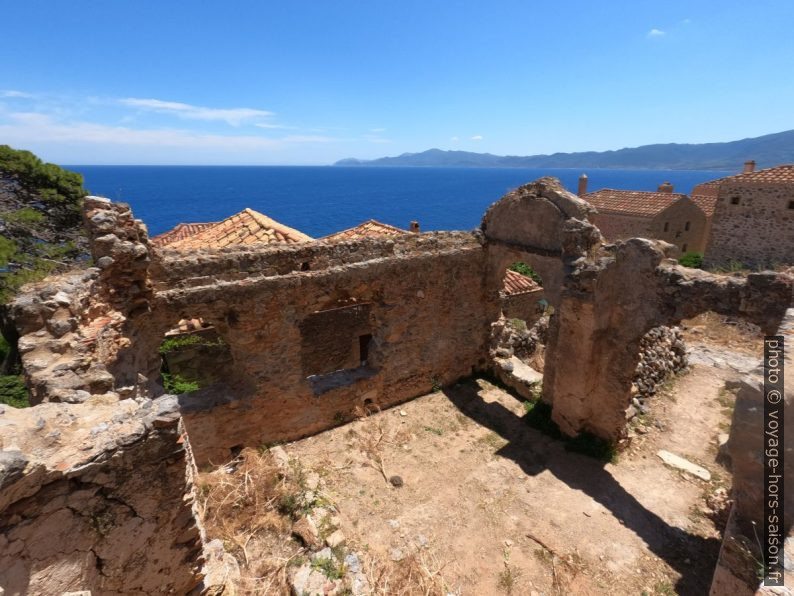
point(723, 331)
point(240, 504)
point(417, 573)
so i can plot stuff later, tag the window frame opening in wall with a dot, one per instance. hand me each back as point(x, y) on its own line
point(667, 226)
point(686, 227)
point(735, 200)
point(683, 247)
point(364, 343)
point(337, 346)
point(791, 205)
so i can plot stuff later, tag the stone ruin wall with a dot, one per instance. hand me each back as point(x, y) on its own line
point(758, 232)
point(610, 300)
point(428, 301)
point(94, 496)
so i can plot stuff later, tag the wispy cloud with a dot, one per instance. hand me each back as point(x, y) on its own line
point(23, 128)
point(233, 116)
point(13, 93)
point(655, 33)
point(454, 139)
point(477, 138)
point(377, 130)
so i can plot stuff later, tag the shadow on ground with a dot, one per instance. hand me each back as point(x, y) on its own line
point(694, 557)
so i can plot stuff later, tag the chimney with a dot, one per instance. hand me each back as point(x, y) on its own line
point(415, 227)
point(666, 187)
point(582, 185)
point(749, 166)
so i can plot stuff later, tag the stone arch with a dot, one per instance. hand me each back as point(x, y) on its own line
point(609, 302)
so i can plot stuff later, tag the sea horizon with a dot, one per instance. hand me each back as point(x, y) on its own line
point(320, 200)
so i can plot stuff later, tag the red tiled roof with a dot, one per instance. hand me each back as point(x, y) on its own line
point(368, 229)
point(516, 283)
point(631, 202)
point(179, 232)
point(783, 174)
point(246, 227)
point(706, 203)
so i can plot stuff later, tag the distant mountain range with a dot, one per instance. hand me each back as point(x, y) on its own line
point(767, 150)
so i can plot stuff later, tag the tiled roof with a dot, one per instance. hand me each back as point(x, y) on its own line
point(246, 227)
point(180, 232)
point(706, 203)
point(631, 202)
point(775, 175)
point(368, 229)
point(516, 283)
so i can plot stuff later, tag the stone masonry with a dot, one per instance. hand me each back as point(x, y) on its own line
point(316, 332)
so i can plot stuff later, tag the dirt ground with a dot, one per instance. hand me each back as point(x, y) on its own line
point(490, 505)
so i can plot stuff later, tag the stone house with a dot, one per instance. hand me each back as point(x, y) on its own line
point(753, 217)
point(663, 215)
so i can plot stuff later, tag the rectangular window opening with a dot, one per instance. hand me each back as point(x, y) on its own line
point(364, 342)
point(686, 227)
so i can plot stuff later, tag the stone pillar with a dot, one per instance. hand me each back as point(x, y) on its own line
point(121, 250)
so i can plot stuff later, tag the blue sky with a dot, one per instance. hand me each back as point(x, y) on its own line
point(237, 82)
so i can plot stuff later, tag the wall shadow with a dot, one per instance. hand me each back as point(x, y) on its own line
point(692, 556)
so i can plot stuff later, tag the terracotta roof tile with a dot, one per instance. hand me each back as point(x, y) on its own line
point(246, 227)
point(368, 229)
point(179, 232)
point(782, 174)
point(631, 202)
point(516, 283)
point(706, 203)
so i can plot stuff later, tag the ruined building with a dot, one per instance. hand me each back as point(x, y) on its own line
point(95, 480)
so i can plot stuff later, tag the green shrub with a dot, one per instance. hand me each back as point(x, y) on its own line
point(177, 342)
point(525, 269)
point(13, 392)
point(691, 259)
point(26, 215)
point(177, 384)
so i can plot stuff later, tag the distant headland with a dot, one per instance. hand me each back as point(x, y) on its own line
point(767, 150)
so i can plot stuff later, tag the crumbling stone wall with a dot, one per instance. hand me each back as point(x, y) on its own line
point(610, 300)
point(753, 224)
point(662, 354)
point(532, 224)
point(94, 496)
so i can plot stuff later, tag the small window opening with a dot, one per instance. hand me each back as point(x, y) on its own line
point(734, 200)
point(364, 342)
point(666, 226)
point(683, 248)
point(791, 204)
point(305, 266)
point(686, 227)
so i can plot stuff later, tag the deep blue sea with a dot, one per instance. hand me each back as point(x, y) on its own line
point(323, 199)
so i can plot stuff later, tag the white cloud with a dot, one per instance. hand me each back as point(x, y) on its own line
point(477, 138)
point(269, 126)
point(16, 94)
point(454, 139)
point(655, 33)
point(377, 130)
point(233, 116)
point(24, 128)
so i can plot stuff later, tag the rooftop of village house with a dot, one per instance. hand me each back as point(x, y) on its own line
point(246, 227)
point(633, 202)
point(517, 283)
point(368, 229)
